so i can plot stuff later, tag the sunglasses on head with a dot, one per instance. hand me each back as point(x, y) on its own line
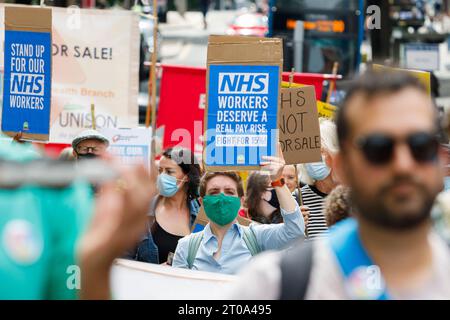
point(378, 148)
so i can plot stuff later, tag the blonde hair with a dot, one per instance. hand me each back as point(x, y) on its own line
point(329, 143)
point(328, 135)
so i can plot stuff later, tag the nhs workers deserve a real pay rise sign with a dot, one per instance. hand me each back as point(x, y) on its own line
point(27, 72)
point(241, 117)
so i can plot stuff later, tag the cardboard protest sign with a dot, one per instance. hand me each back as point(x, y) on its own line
point(243, 88)
point(200, 222)
point(131, 146)
point(326, 110)
point(298, 121)
point(423, 76)
point(27, 72)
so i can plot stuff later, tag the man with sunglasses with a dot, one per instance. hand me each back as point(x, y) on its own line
point(391, 159)
point(89, 144)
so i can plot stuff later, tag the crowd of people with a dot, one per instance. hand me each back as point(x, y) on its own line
point(328, 227)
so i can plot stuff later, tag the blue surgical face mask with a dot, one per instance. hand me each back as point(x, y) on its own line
point(167, 185)
point(317, 170)
point(446, 183)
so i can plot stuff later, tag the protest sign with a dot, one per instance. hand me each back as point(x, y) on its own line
point(200, 221)
point(421, 56)
point(285, 84)
point(243, 87)
point(130, 146)
point(423, 76)
point(91, 68)
point(326, 110)
point(298, 121)
point(140, 280)
point(183, 122)
point(27, 72)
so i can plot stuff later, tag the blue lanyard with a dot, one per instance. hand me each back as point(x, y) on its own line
point(363, 280)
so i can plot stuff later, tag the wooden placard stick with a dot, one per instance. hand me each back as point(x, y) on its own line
point(333, 82)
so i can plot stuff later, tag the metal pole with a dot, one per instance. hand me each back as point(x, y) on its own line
point(299, 35)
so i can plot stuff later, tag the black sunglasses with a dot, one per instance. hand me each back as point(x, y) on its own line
point(379, 148)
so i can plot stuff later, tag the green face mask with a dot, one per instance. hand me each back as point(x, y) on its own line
point(221, 209)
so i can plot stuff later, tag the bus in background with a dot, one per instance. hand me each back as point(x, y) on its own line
point(333, 32)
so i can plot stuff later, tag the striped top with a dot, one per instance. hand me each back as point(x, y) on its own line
point(314, 199)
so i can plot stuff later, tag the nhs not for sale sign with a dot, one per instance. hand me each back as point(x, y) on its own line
point(241, 114)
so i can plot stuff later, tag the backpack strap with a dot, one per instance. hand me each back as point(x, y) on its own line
point(251, 242)
point(353, 259)
point(194, 244)
point(296, 265)
point(196, 239)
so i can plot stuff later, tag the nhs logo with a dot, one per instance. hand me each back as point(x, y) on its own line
point(243, 83)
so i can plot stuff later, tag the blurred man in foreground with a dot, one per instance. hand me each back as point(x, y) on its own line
point(57, 243)
point(391, 159)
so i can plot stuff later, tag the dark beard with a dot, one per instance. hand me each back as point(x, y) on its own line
point(375, 209)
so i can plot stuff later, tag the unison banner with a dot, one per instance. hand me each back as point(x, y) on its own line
point(95, 60)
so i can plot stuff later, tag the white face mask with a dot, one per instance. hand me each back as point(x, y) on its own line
point(317, 170)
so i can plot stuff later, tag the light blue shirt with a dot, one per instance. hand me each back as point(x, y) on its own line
point(446, 183)
point(234, 253)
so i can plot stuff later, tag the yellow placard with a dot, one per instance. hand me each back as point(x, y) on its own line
point(244, 177)
point(326, 110)
point(285, 84)
point(423, 76)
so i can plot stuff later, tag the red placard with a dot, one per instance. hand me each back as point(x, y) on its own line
point(314, 79)
point(182, 106)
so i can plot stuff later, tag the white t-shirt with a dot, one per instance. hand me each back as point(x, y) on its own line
point(262, 278)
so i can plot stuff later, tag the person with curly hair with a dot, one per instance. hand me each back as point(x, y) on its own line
point(337, 205)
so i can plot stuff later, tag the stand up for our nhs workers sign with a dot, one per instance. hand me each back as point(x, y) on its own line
point(27, 82)
point(242, 114)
